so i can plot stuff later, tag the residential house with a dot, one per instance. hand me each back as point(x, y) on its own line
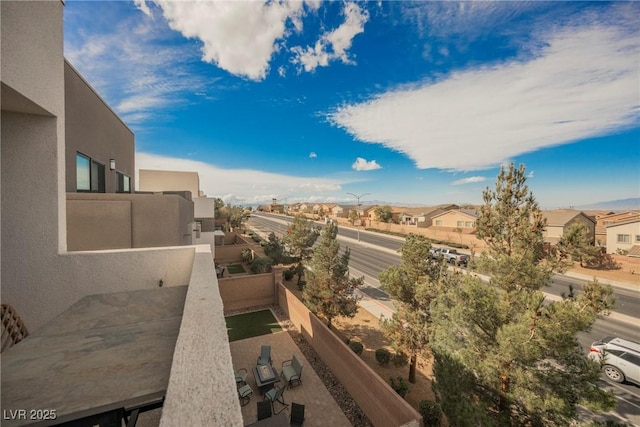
point(603, 221)
point(293, 208)
point(422, 216)
point(327, 208)
point(41, 279)
point(342, 211)
point(624, 237)
point(102, 210)
point(460, 219)
point(559, 220)
point(203, 226)
point(305, 208)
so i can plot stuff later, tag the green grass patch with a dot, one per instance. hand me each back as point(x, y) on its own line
point(247, 325)
point(235, 269)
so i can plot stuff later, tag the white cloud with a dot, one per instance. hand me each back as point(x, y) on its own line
point(133, 68)
point(250, 185)
point(470, 180)
point(582, 82)
point(363, 165)
point(237, 36)
point(333, 45)
point(312, 155)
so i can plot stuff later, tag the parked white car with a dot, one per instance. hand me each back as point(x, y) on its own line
point(620, 358)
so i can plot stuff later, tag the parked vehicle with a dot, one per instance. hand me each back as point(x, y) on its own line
point(450, 255)
point(620, 358)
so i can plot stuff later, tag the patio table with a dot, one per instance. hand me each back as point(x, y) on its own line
point(265, 376)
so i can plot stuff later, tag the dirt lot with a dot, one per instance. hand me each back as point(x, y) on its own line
point(629, 271)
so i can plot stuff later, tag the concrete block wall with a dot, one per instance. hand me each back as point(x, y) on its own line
point(378, 400)
point(243, 292)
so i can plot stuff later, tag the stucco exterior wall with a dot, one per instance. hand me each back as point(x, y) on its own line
point(631, 229)
point(204, 207)
point(115, 221)
point(451, 218)
point(202, 388)
point(383, 406)
point(158, 180)
point(244, 292)
point(230, 253)
point(94, 130)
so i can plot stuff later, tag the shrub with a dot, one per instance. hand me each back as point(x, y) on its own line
point(246, 255)
point(431, 413)
point(302, 284)
point(260, 265)
point(288, 274)
point(400, 386)
point(357, 347)
point(400, 359)
point(383, 356)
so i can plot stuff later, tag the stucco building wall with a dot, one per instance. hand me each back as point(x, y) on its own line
point(115, 221)
point(630, 229)
point(159, 180)
point(94, 130)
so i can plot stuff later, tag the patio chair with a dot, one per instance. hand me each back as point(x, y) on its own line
point(13, 329)
point(244, 393)
point(297, 414)
point(276, 395)
point(292, 371)
point(241, 376)
point(265, 355)
point(264, 410)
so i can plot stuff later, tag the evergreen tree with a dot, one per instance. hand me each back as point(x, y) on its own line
point(274, 249)
point(577, 243)
point(384, 213)
point(353, 216)
point(412, 285)
point(518, 355)
point(301, 235)
point(329, 291)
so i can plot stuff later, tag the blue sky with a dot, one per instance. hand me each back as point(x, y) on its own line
point(412, 102)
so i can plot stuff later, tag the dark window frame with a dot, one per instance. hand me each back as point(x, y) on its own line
point(97, 184)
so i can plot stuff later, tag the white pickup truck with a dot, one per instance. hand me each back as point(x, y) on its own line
point(450, 255)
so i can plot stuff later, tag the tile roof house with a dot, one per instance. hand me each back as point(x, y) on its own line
point(461, 219)
point(423, 216)
point(624, 237)
point(559, 220)
point(603, 221)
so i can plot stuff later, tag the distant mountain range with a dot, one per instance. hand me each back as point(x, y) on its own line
point(614, 205)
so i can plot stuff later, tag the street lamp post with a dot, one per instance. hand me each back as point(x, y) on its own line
point(357, 206)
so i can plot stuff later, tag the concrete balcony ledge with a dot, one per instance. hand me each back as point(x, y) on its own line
point(202, 389)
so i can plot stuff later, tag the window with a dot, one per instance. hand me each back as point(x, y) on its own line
point(460, 224)
point(123, 184)
point(438, 222)
point(637, 238)
point(468, 224)
point(623, 238)
point(89, 174)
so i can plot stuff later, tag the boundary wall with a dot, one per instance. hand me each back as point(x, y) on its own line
point(378, 400)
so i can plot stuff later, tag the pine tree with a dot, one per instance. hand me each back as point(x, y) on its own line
point(412, 285)
point(329, 291)
point(578, 244)
point(518, 354)
point(300, 238)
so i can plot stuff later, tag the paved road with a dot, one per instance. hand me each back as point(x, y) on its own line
point(375, 252)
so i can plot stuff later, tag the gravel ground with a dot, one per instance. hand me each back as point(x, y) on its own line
point(349, 406)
